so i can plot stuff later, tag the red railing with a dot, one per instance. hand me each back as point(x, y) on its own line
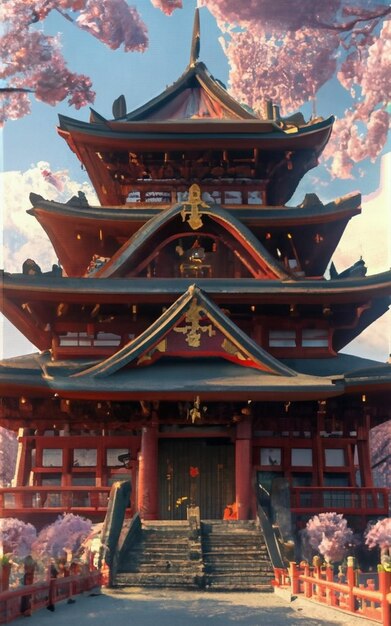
point(355, 500)
point(24, 600)
point(318, 584)
point(51, 499)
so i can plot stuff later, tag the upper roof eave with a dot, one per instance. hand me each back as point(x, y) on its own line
point(349, 205)
point(51, 287)
point(252, 129)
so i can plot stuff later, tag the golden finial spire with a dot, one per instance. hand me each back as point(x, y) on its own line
point(195, 40)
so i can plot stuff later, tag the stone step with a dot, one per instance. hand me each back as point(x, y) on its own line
point(233, 547)
point(240, 579)
point(176, 541)
point(238, 555)
point(158, 568)
point(226, 587)
point(158, 580)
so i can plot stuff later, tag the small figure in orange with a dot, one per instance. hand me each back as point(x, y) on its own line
point(231, 511)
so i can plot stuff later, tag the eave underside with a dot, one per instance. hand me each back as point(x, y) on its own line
point(175, 379)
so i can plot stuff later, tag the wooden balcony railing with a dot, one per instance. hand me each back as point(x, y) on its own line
point(53, 499)
point(352, 500)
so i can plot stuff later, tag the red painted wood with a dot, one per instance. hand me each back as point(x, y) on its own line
point(148, 474)
point(243, 469)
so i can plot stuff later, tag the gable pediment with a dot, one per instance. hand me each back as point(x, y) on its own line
point(192, 218)
point(192, 327)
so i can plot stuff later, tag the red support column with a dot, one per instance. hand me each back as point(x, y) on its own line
point(148, 473)
point(243, 468)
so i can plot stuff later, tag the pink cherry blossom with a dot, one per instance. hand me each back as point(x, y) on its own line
point(380, 448)
point(37, 63)
point(115, 23)
point(329, 535)
point(65, 535)
point(53, 179)
point(16, 536)
point(286, 53)
point(379, 534)
point(167, 6)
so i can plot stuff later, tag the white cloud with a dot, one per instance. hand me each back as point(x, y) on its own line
point(23, 237)
point(369, 235)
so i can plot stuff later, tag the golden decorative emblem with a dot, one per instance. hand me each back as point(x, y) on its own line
point(193, 330)
point(194, 203)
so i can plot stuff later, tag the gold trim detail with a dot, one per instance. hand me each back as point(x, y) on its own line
point(195, 201)
point(230, 348)
point(193, 330)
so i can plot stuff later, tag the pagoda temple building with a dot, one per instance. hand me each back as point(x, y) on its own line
point(190, 338)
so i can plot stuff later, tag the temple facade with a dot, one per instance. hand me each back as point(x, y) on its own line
point(191, 338)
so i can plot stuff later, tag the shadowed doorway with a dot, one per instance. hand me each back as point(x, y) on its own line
point(200, 472)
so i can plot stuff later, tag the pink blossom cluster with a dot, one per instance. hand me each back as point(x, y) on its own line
point(114, 23)
point(329, 534)
point(276, 15)
point(64, 536)
point(33, 61)
point(16, 537)
point(286, 51)
point(261, 66)
point(380, 451)
point(167, 6)
point(379, 534)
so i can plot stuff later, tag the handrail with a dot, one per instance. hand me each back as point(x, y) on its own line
point(270, 538)
point(53, 497)
point(25, 599)
point(112, 525)
point(370, 499)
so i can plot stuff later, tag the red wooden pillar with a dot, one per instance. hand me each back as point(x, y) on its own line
point(243, 468)
point(363, 451)
point(148, 473)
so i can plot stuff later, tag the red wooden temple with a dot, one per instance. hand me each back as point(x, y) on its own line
point(190, 340)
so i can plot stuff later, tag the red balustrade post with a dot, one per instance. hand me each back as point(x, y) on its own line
point(330, 593)
point(350, 579)
point(307, 583)
point(5, 571)
point(28, 579)
point(295, 585)
point(384, 588)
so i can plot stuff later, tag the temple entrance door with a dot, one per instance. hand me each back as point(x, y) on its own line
point(200, 472)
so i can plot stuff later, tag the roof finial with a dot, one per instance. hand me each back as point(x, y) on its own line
point(195, 40)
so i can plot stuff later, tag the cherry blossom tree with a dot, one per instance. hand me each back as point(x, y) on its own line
point(286, 51)
point(378, 535)
point(16, 537)
point(380, 449)
point(37, 63)
point(8, 448)
point(64, 537)
point(329, 535)
point(281, 51)
point(167, 6)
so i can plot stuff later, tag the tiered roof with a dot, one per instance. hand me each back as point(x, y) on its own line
point(194, 114)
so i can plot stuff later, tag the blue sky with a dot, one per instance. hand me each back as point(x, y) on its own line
point(141, 76)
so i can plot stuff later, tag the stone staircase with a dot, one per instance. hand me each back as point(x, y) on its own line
point(163, 554)
point(221, 556)
point(235, 557)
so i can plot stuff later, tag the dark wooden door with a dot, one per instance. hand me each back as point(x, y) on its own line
point(198, 472)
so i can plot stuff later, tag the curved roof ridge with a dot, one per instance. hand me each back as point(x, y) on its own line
point(216, 213)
